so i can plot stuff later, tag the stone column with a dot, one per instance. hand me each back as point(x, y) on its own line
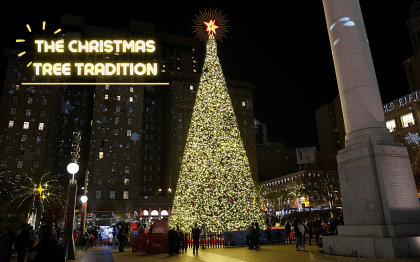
point(380, 202)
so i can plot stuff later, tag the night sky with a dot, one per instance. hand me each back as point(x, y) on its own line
point(283, 49)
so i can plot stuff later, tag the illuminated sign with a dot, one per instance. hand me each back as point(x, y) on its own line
point(95, 46)
point(401, 101)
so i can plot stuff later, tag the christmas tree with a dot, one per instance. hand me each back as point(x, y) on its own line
point(215, 186)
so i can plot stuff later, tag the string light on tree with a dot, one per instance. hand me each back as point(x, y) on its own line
point(215, 185)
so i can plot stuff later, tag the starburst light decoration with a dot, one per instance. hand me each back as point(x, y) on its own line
point(215, 186)
point(412, 138)
point(207, 22)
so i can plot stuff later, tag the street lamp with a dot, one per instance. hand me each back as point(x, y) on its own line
point(73, 168)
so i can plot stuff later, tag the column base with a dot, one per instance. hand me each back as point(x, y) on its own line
point(373, 247)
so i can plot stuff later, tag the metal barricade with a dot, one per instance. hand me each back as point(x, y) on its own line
point(155, 243)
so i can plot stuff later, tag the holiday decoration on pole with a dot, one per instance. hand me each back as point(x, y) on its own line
point(215, 185)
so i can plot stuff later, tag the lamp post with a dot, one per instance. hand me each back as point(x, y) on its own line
point(84, 200)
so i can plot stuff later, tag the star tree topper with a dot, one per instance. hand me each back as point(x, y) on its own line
point(207, 22)
point(211, 27)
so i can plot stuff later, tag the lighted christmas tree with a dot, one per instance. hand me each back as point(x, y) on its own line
point(215, 185)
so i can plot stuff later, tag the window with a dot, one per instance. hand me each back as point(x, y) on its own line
point(158, 169)
point(181, 115)
point(98, 194)
point(117, 120)
point(111, 194)
point(130, 99)
point(181, 125)
point(114, 156)
point(180, 160)
point(35, 164)
point(244, 113)
point(41, 126)
point(23, 138)
point(391, 125)
point(103, 131)
point(180, 136)
point(25, 125)
point(117, 109)
point(99, 181)
point(105, 108)
point(21, 151)
point(128, 144)
point(19, 164)
point(28, 112)
point(17, 178)
point(191, 87)
point(150, 168)
point(101, 155)
point(38, 139)
point(6, 150)
point(158, 178)
point(13, 111)
point(14, 99)
point(150, 178)
point(11, 122)
point(128, 132)
point(127, 156)
point(106, 87)
point(146, 137)
point(113, 168)
point(33, 78)
point(127, 169)
point(106, 97)
point(37, 151)
point(125, 195)
point(44, 102)
point(159, 138)
point(407, 120)
point(115, 143)
point(243, 103)
point(100, 168)
point(116, 132)
point(146, 147)
point(130, 110)
point(30, 100)
point(151, 157)
point(113, 181)
point(151, 137)
point(145, 158)
point(145, 178)
point(126, 181)
point(42, 114)
point(8, 137)
point(118, 98)
point(181, 149)
point(130, 121)
point(131, 89)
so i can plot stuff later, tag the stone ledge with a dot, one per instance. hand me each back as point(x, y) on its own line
point(317, 256)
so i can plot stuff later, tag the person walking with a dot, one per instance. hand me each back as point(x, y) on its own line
point(22, 243)
point(302, 231)
point(316, 228)
point(85, 240)
point(287, 231)
point(203, 235)
point(47, 250)
point(257, 235)
point(178, 239)
point(268, 234)
point(121, 239)
point(310, 231)
point(196, 238)
point(114, 235)
point(171, 239)
point(250, 236)
point(5, 243)
point(297, 235)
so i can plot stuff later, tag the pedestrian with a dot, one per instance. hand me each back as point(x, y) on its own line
point(310, 224)
point(297, 235)
point(257, 235)
point(91, 239)
point(121, 239)
point(250, 236)
point(196, 238)
point(178, 239)
point(151, 229)
point(268, 234)
point(114, 234)
point(203, 235)
point(85, 240)
point(302, 230)
point(316, 228)
point(22, 243)
point(5, 243)
point(32, 238)
point(47, 249)
point(171, 239)
point(287, 231)
point(75, 236)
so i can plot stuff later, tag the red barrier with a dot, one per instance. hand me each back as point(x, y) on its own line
point(155, 243)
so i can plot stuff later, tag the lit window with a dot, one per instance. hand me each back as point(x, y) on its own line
point(106, 96)
point(117, 109)
point(131, 89)
point(19, 164)
point(101, 155)
point(106, 87)
point(243, 103)
point(118, 98)
point(41, 126)
point(127, 170)
point(25, 125)
point(38, 139)
point(111, 194)
point(391, 125)
point(28, 112)
point(130, 99)
point(30, 100)
point(163, 70)
point(128, 132)
point(125, 195)
point(117, 120)
point(407, 120)
point(104, 108)
point(11, 122)
point(191, 87)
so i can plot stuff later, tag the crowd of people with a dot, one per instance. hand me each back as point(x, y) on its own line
point(175, 236)
point(45, 245)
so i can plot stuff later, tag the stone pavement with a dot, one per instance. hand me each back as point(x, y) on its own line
point(237, 254)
